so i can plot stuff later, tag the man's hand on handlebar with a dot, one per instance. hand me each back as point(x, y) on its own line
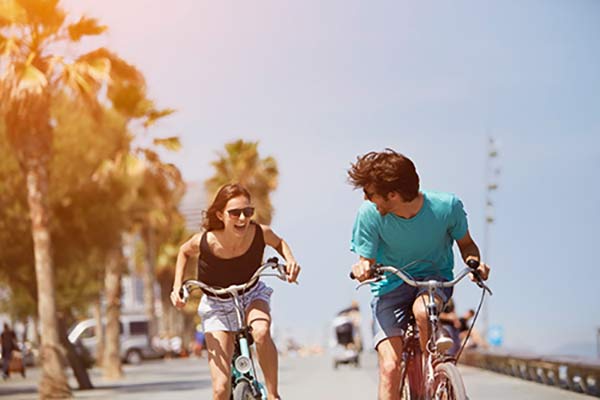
point(482, 270)
point(362, 271)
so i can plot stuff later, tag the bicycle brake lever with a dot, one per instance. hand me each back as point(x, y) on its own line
point(366, 282)
point(479, 282)
point(485, 287)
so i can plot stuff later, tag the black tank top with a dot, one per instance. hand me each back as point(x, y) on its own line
point(224, 272)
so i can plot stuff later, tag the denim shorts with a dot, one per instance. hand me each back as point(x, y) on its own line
point(392, 311)
point(219, 314)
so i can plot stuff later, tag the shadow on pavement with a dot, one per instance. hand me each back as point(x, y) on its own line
point(158, 386)
point(11, 391)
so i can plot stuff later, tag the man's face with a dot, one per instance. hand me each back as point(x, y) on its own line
point(381, 202)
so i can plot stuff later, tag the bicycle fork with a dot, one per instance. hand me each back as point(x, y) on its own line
point(243, 364)
point(432, 311)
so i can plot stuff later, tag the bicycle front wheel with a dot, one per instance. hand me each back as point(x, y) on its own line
point(243, 391)
point(448, 384)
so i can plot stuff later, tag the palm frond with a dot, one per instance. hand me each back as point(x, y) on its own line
point(170, 143)
point(120, 70)
point(11, 13)
point(85, 27)
point(44, 13)
point(154, 115)
point(129, 99)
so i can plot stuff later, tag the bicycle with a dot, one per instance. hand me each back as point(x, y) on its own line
point(438, 377)
point(244, 381)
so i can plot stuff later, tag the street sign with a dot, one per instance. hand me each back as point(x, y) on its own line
point(495, 335)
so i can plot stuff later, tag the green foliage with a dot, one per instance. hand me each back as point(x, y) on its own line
point(16, 247)
point(84, 223)
point(72, 114)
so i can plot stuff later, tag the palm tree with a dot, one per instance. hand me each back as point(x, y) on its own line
point(241, 163)
point(156, 214)
point(31, 76)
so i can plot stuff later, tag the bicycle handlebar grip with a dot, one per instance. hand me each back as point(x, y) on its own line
point(473, 264)
point(184, 294)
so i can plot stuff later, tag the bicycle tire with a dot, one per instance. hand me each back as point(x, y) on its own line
point(448, 383)
point(243, 391)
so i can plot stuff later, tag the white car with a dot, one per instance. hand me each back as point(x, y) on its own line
point(135, 341)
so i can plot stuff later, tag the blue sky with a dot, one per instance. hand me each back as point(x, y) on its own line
point(318, 83)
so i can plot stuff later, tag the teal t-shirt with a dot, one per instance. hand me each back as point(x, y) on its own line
point(397, 241)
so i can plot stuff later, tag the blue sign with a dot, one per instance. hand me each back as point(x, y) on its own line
point(495, 335)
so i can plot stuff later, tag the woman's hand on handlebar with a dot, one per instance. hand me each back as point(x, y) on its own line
point(292, 269)
point(176, 299)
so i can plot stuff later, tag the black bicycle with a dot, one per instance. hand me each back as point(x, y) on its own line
point(436, 377)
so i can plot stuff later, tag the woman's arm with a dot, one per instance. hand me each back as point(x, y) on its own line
point(281, 246)
point(188, 249)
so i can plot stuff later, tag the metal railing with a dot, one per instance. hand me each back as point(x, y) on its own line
point(571, 373)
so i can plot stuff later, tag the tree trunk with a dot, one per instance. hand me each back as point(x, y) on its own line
point(53, 382)
point(111, 366)
point(149, 277)
point(167, 306)
point(99, 332)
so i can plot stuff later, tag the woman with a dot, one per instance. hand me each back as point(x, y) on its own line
point(229, 251)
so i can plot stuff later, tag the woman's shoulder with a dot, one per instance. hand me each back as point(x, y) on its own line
point(192, 245)
point(262, 227)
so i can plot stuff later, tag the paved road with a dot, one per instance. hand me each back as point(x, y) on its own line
point(301, 378)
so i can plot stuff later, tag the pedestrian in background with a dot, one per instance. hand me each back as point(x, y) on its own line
point(9, 344)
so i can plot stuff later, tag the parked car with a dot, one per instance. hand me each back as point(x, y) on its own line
point(135, 341)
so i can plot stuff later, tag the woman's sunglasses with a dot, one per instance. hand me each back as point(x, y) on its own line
point(236, 212)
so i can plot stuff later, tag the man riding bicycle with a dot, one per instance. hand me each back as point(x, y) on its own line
point(396, 226)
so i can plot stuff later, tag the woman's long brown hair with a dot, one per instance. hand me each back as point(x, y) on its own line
point(227, 192)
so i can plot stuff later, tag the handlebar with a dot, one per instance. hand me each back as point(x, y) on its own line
point(191, 284)
point(378, 270)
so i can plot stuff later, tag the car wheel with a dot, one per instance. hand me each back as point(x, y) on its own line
point(133, 357)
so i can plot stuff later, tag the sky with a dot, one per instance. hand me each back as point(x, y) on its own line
point(319, 83)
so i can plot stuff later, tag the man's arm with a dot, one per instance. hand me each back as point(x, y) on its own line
point(470, 251)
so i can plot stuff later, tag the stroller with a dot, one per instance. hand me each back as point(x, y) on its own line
point(344, 347)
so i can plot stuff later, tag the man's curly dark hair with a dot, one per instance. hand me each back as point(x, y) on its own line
point(388, 171)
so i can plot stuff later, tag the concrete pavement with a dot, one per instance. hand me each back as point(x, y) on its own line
point(300, 378)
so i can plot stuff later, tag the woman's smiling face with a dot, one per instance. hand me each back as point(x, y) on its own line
point(237, 215)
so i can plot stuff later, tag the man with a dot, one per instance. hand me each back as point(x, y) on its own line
point(400, 224)
point(9, 343)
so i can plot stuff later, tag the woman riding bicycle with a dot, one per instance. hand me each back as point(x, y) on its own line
point(229, 252)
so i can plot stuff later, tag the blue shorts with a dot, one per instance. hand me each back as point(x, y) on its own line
point(393, 310)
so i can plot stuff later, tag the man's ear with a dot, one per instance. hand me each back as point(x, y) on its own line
point(393, 196)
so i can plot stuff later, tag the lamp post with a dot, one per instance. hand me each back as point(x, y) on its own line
point(598, 342)
point(492, 173)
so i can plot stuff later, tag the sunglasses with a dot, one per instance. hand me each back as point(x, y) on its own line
point(236, 212)
point(368, 195)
